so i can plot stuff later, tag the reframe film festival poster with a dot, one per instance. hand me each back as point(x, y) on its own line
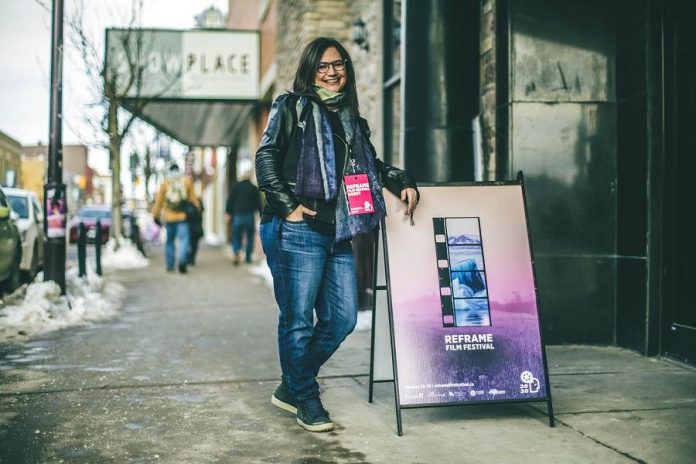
point(464, 304)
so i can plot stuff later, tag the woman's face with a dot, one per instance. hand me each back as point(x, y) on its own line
point(333, 80)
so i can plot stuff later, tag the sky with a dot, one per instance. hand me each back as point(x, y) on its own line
point(25, 32)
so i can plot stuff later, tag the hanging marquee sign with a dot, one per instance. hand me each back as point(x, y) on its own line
point(184, 64)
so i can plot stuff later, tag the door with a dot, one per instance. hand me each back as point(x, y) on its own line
point(679, 273)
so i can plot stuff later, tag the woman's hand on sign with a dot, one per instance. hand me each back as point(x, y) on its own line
point(410, 195)
point(297, 215)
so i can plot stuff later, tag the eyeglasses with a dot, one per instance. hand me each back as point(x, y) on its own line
point(338, 65)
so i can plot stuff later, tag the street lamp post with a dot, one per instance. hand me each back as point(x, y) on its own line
point(55, 204)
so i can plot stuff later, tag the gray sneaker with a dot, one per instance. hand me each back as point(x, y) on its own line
point(283, 399)
point(312, 416)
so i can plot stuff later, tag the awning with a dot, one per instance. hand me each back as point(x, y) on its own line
point(205, 124)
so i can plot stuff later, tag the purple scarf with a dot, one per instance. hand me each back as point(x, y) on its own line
point(316, 169)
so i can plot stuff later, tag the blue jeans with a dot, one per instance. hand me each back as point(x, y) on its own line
point(243, 224)
point(311, 274)
point(176, 230)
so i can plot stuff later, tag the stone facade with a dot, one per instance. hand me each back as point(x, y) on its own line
point(488, 88)
point(301, 21)
point(368, 65)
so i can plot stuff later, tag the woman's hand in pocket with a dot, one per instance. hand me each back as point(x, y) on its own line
point(297, 215)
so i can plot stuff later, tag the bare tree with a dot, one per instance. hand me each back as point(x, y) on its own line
point(116, 83)
point(144, 142)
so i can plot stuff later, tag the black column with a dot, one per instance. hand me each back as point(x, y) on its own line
point(441, 88)
point(55, 202)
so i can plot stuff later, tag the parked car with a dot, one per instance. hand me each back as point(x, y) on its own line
point(89, 215)
point(10, 247)
point(29, 221)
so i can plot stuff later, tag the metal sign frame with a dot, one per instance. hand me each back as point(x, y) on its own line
point(386, 287)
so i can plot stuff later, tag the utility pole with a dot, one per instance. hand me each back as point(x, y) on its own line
point(55, 202)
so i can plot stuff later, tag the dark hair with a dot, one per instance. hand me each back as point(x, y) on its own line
point(307, 69)
point(174, 167)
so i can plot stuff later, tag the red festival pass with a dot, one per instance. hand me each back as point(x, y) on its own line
point(358, 194)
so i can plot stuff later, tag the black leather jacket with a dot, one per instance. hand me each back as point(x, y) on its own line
point(279, 152)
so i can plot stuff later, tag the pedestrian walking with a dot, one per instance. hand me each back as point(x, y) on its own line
point(194, 216)
point(319, 173)
point(170, 208)
point(243, 202)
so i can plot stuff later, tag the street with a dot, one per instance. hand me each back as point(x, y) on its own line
point(186, 374)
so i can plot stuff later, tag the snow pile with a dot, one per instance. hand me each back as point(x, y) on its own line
point(127, 256)
point(39, 307)
point(364, 321)
point(262, 270)
point(212, 239)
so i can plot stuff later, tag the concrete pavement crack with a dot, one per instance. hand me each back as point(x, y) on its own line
point(138, 309)
point(614, 449)
point(163, 385)
point(566, 374)
point(608, 411)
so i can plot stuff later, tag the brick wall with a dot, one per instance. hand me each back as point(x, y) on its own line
point(248, 15)
point(267, 27)
point(243, 14)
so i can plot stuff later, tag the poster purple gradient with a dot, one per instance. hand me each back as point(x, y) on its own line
point(437, 364)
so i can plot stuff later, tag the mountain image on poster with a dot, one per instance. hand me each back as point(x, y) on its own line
point(462, 272)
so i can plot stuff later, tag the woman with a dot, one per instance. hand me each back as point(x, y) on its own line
point(314, 153)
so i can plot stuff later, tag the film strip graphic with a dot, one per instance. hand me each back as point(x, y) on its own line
point(461, 272)
point(443, 272)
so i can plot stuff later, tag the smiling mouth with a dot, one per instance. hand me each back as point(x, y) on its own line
point(331, 81)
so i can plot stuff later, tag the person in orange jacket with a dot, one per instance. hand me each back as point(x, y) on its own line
point(170, 207)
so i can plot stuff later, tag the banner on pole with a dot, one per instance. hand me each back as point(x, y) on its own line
point(56, 210)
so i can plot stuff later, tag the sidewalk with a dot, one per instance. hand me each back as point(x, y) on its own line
point(186, 374)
